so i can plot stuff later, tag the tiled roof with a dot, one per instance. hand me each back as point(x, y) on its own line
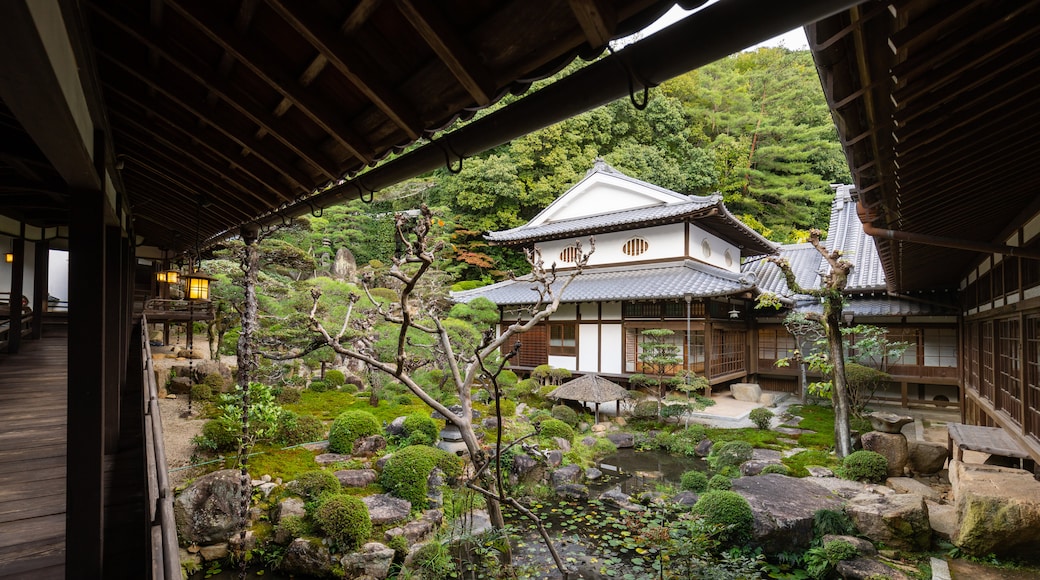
point(672, 280)
point(804, 260)
point(889, 306)
point(604, 222)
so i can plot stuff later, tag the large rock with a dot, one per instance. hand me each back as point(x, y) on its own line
point(998, 511)
point(784, 508)
point(386, 509)
point(179, 386)
point(418, 530)
point(750, 392)
point(308, 558)
point(868, 569)
point(911, 485)
point(356, 477)
point(396, 427)
point(344, 266)
point(622, 440)
point(209, 510)
point(863, 547)
point(893, 446)
point(527, 469)
point(703, 448)
point(330, 458)
point(373, 559)
point(290, 506)
point(369, 446)
point(899, 520)
point(212, 367)
point(572, 491)
point(621, 500)
point(926, 457)
point(566, 474)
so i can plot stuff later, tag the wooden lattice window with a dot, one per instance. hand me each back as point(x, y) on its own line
point(775, 344)
point(1032, 362)
point(988, 374)
point(635, 246)
point(1009, 386)
point(533, 347)
point(563, 339)
point(569, 254)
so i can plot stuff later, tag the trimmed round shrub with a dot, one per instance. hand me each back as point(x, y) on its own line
point(864, 465)
point(201, 392)
point(730, 453)
point(349, 388)
point(335, 378)
point(350, 426)
point(776, 468)
point(223, 432)
point(344, 520)
point(565, 414)
point(294, 429)
point(420, 429)
point(646, 409)
point(508, 407)
point(294, 527)
point(555, 428)
point(729, 510)
point(720, 482)
point(286, 395)
point(318, 386)
point(311, 484)
point(407, 470)
point(694, 481)
point(761, 417)
point(215, 382)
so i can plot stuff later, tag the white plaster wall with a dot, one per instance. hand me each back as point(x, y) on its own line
point(58, 274)
point(664, 242)
point(565, 312)
point(610, 347)
point(588, 348)
point(602, 194)
point(719, 247)
point(611, 311)
point(563, 362)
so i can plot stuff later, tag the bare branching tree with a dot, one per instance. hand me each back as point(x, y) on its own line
point(415, 313)
point(830, 294)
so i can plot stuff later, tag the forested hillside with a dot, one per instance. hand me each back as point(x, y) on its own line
point(753, 126)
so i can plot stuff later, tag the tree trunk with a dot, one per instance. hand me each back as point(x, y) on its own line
point(839, 388)
point(478, 457)
point(247, 359)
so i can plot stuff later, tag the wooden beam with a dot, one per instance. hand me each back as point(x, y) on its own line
point(40, 84)
point(40, 282)
point(86, 389)
point(263, 65)
point(338, 51)
point(427, 20)
point(597, 19)
point(111, 274)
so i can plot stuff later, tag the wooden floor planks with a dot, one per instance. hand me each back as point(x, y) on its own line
point(33, 440)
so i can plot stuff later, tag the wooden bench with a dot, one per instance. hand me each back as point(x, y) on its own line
point(992, 440)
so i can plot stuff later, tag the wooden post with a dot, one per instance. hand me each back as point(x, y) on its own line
point(14, 334)
point(40, 286)
point(88, 342)
point(113, 334)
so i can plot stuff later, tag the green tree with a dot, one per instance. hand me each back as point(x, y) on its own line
point(660, 358)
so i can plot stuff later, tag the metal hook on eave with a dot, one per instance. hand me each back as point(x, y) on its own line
point(448, 151)
point(639, 106)
point(320, 212)
point(361, 192)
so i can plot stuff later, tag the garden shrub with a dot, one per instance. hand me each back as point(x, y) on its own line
point(223, 432)
point(730, 511)
point(215, 382)
point(343, 519)
point(318, 386)
point(507, 407)
point(286, 395)
point(294, 429)
point(761, 417)
point(776, 468)
point(864, 465)
point(201, 392)
point(350, 426)
point(434, 561)
point(683, 442)
point(538, 415)
point(407, 470)
point(294, 526)
point(482, 395)
point(694, 481)
point(399, 544)
point(420, 429)
point(821, 560)
point(832, 523)
point(565, 414)
point(311, 484)
point(550, 428)
point(646, 409)
point(730, 454)
point(720, 482)
point(335, 378)
point(349, 388)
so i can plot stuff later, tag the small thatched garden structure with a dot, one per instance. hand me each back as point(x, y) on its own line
point(590, 388)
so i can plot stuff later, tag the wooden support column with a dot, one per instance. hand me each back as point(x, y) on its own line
point(40, 286)
point(113, 334)
point(14, 335)
point(89, 340)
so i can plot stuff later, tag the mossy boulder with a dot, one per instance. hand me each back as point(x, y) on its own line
point(998, 511)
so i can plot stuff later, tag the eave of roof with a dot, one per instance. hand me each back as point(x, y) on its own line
point(669, 281)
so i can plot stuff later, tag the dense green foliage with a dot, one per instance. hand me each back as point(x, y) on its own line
point(313, 484)
point(350, 426)
point(694, 481)
point(761, 417)
point(344, 520)
point(565, 414)
point(728, 510)
point(865, 465)
point(407, 470)
point(294, 429)
point(730, 454)
point(420, 429)
point(550, 428)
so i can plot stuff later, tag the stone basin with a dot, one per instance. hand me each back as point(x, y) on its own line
point(888, 422)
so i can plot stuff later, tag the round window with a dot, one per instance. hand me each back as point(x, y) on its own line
point(729, 258)
point(705, 248)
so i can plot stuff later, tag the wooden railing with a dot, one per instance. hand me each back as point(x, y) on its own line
point(160, 309)
point(165, 555)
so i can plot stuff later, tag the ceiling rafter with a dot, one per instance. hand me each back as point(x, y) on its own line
point(445, 41)
point(597, 19)
point(324, 114)
point(239, 196)
point(337, 51)
point(245, 167)
point(263, 149)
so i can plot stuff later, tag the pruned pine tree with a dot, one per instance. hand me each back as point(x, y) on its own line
point(830, 294)
point(414, 261)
